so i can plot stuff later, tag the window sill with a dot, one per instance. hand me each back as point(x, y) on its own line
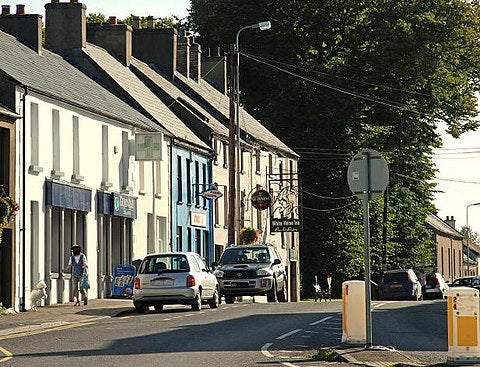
point(225, 166)
point(126, 189)
point(54, 275)
point(216, 225)
point(215, 163)
point(179, 202)
point(158, 195)
point(35, 170)
point(258, 172)
point(57, 174)
point(197, 206)
point(105, 185)
point(189, 204)
point(141, 192)
point(77, 178)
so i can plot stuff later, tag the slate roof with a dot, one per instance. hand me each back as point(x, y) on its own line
point(6, 112)
point(248, 123)
point(440, 226)
point(176, 93)
point(49, 74)
point(140, 92)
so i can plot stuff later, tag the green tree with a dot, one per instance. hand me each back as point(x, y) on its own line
point(471, 234)
point(164, 22)
point(96, 18)
point(385, 72)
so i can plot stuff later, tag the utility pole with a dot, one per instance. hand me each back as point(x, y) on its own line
point(385, 224)
point(231, 151)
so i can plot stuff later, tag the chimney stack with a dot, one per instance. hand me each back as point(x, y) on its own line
point(65, 26)
point(450, 221)
point(112, 20)
point(20, 9)
point(113, 37)
point(195, 61)
point(183, 54)
point(214, 69)
point(163, 55)
point(27, 28)
point(5, 9)
point(150, 22)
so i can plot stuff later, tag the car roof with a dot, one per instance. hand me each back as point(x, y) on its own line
point(250, 246)
point(171, 253)
point(397, 271)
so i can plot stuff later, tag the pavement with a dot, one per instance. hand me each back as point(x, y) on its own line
point(61, 315)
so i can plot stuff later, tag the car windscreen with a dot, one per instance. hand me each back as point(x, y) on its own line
point(395, 277)
point(245, 255)
point(157, 264)
point(462, 281)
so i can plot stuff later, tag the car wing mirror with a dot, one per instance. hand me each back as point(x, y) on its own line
point(276, 262)
point(214, 265)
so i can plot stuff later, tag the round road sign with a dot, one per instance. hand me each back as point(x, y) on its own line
point(368, 174)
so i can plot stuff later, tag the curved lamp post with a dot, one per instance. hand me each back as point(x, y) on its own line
point(263, 26)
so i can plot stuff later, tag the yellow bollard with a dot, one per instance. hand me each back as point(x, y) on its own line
point(462, 324)
point(353, 312)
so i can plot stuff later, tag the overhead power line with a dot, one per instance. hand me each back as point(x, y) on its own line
point(328, 197)
point(330, 210)
point(341, 77)
point(340, 89)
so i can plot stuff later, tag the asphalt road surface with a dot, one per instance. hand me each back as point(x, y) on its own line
point(243, 334)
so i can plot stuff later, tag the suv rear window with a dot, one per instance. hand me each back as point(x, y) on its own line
point(395, 277)
point(245, 255)
point(164, 264)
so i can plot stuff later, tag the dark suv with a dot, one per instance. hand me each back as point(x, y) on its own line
point(400, 284)
point(250, 271)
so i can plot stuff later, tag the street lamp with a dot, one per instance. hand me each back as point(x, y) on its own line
point(263, 26)
point(468, 239)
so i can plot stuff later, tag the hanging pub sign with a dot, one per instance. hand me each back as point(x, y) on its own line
point(212, 193)
point(285, 213)
point(261, 199)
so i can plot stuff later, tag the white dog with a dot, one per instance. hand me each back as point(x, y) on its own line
point(38, 294)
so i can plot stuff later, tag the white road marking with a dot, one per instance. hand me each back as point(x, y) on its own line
point(379, 305)
point(189, 314)
point(319, 321)
point(166, 319)
point(313, 332)
point(288, 334)
point(265, 351)
point(288, 364)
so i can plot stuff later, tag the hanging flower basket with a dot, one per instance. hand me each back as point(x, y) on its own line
point(8, 209)
point(248, 235)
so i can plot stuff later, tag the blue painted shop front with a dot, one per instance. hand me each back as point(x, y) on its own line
point(192, 224)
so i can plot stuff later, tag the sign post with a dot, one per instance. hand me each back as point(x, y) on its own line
point(367, 177)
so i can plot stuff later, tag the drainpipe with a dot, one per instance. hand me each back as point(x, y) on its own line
point(22, 228)
point(173, 235)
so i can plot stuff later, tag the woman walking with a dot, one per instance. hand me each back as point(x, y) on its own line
point(78, 266)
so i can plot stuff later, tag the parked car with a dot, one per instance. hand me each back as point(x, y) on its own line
point(174, 278)
point(400, 284)
point(250, 271)
point(468, 281)
point(436, 287)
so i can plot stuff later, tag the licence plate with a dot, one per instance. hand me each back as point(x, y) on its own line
point(396, 286)
point(234, 284)
point(163, 282)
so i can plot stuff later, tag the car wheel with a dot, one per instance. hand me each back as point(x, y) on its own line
point(214, 301)
point(282, 295)
point(229, 300)
point(197, 302)
point(158, 307)
point(272, 293)
point(140, 307)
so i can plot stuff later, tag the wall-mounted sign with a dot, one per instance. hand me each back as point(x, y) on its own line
point(148, 147)
point(285, 213)
point(212, 193)
point(198, 219)
point(261, 199)
point(124, 206)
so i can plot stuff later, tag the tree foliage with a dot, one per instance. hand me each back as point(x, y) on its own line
point(384, 73)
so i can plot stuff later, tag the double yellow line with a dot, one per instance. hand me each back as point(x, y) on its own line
point(7, 354)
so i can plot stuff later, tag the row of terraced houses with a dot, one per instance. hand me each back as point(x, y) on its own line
point(70, 109)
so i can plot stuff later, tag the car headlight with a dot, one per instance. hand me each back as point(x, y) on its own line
point(218, 273)
point(264, 272)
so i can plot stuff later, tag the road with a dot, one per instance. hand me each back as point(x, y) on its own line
point(243, 334)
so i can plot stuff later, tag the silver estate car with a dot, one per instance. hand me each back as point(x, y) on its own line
point(174, 278)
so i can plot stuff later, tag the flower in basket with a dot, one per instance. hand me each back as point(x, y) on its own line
point(8, 210)
point(248, 235)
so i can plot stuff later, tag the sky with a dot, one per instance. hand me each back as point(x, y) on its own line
point(119, 8)
point(458, 178)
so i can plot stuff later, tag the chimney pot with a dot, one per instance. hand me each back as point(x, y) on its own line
point(20, 9)
point(150, 22)
point(112, 20)
point(55, 1)
point(74, 1)
point(5, 9)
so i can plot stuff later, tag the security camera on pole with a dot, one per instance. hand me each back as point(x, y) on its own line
point(367, 177)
